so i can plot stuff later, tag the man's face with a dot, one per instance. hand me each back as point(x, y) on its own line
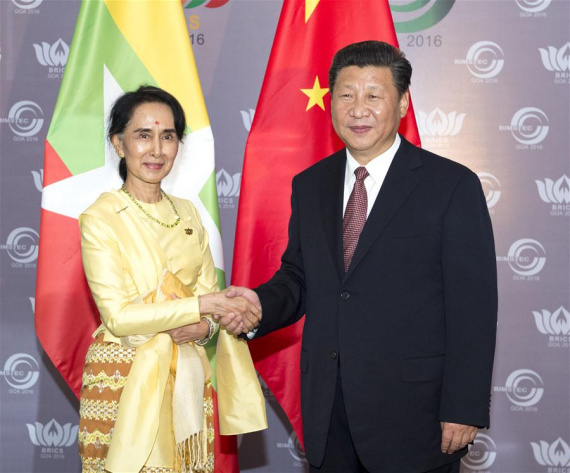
point(366, 110)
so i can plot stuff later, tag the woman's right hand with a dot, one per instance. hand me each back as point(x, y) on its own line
point(217, 304)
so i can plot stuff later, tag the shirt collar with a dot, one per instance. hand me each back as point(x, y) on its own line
point(377, 167)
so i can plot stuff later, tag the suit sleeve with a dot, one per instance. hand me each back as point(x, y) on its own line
point(107, 280)
point(283, 296)
point(470, 295)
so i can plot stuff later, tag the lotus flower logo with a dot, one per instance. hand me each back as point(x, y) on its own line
point(491, 187)
point(21, 371)
point(38, 179)
point(529, 126)
point(22, 245)
point(26, 118)
point(526, 257)
point(555, 323)
point(485, 59)
point(52, 434)
point(247, 118)
point(524, 387)
point(555, 192)
point(437, 123)
point(54, 55)
point(556, 60)
point(533, 6)
point(481, 454)
point(228, 186)
point(556, 454)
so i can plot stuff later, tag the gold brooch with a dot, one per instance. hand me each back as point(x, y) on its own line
point(188, 231)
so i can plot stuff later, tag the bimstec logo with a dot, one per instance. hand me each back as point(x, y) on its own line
point(27, 4)
point(208, 4)
point(555, 454)
point(22, 246)
point(485, 60)
point(21, 372)
point(556, 325)
point(481, 454)
point(526, 257)
point(437, 126)
point(524, 388)
point(491, 188)
point(295, 449)
point(533, 6)
point(25, 119)
point(529, 127)
point(411, 16)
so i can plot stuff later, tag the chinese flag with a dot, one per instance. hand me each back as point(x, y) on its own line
point(291, 131)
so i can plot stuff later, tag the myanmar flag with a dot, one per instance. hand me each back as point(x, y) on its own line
point(117, 46)
point(291, 131)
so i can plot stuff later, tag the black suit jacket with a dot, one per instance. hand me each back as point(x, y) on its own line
point(411, 324)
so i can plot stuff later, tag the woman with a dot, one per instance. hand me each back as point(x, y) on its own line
point(145, 401)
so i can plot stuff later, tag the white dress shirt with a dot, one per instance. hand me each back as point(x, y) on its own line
point(377, 170)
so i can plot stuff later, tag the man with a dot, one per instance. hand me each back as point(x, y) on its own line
point(391, 258)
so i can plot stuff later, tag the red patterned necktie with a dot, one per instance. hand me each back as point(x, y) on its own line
point(354, 216)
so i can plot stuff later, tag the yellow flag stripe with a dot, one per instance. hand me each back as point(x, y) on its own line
point(165, 51)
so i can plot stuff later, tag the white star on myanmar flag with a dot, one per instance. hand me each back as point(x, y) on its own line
point(71, 196)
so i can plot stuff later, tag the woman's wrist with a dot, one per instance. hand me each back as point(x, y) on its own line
point(209, 332)
point(206, 304)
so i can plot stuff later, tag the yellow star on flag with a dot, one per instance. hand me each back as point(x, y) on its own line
point(310, 6)
point(315, 95)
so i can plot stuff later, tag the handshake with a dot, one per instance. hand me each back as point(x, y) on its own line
point(237, 309)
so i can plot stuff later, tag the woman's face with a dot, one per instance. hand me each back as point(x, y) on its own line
point(149, 144)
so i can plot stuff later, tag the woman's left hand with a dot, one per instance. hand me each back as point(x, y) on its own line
point(189, 333)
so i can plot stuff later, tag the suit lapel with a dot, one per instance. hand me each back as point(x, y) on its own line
point(402, 178)
point(331, 195)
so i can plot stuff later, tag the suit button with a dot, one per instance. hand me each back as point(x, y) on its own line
point(345, 295)
point(333, 354)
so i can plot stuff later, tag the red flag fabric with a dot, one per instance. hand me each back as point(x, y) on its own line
point(292, 130)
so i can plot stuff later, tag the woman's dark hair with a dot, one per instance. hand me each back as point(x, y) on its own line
point(124, 107)
point(376, 54)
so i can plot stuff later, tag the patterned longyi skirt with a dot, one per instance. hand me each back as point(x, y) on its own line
point(107, 366)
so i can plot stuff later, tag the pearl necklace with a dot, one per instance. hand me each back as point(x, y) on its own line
point(165, 225)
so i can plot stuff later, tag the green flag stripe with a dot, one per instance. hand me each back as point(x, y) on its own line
point(77, 130)
point(209, 197)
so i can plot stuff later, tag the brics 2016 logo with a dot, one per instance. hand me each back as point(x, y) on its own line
point(208, 3)
point(411, 16)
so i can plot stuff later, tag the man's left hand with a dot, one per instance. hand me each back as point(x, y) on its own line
point(456, 436)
